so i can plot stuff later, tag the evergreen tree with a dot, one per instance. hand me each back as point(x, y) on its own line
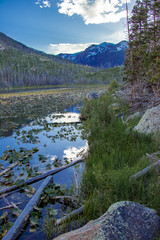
point(142, 62)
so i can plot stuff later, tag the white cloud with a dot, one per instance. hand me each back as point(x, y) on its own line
point(74, 153)
point(67, 47)
point(43, 3)
point(95, 11)
point(116, 36)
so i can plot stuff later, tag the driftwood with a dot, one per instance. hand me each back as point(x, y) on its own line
point(35, 179)
point(18, 225)
point(12, 205)
point(145, 170)
point(9, 168)
point(70, 215)
point(153, 156)
point(9, 193)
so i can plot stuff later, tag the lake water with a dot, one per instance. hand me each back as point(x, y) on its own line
point(56, 144)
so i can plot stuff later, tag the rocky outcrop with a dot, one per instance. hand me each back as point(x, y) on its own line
point(150, 122)
point(123, 221)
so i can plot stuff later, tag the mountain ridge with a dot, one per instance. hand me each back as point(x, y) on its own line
point(104, 55)
point(8, 43)
point(21, 66)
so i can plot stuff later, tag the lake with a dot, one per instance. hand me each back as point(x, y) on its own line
point(51, 139)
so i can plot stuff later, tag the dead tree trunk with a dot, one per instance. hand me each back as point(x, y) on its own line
point(35, 179)
point(17, 227)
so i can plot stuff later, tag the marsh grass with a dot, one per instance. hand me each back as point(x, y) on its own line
point(52, 230)
point(116, 153)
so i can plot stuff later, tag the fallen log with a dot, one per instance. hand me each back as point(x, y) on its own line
point(8, 168)
point(12, 205)
point(18, 225)
point(145, 170)
point(9, 193)
point(35, 179)
point(70, 215)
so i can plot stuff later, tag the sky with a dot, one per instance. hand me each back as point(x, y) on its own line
point(64, 26)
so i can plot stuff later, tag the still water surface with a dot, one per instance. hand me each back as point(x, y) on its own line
point(61, 143)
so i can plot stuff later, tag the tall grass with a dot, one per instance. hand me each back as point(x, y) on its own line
point(116, 153)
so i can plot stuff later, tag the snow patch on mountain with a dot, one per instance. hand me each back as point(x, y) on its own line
point(103, 55)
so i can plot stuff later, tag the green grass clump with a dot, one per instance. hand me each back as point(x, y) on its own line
point(116, 153)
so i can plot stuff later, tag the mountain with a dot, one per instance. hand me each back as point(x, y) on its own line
point(7, 44)
point(104, 55)
point(21, 66)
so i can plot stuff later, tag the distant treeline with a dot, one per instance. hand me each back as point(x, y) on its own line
point(19, 69)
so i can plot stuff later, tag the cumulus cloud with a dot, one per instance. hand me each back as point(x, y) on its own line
point(94, 11)
point(74, 153)
point(67, 47)
point(43, 3)
point(115, 37)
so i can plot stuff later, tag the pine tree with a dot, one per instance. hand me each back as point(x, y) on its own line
point(142, 62)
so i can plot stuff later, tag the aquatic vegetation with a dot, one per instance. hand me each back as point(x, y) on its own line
point(37, 148)
point(17, 109)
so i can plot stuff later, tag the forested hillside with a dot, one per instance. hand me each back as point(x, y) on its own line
point(109, 75)
point(142, 62)
point(22, 66)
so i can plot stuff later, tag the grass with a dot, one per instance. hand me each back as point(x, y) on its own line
point(116, 153)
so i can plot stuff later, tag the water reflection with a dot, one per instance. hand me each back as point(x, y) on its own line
point(54, 144)
point(73, 153)
point(63, 118)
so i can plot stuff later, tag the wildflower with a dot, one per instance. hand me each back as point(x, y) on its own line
point(7, 146)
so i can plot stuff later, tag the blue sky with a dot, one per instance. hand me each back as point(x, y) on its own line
point(55, 26)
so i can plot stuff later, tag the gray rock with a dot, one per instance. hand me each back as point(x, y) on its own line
point(135, 115)
point(101, 93)
point(150, 122)
point(123, 221)
point(91, 95)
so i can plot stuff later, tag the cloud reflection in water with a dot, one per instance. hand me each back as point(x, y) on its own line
point(74, 153)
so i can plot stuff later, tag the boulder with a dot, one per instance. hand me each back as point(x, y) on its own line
point(135, 115)
point(123, 221)
point(91, 95)
point(150, 122)
point(101, 93)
